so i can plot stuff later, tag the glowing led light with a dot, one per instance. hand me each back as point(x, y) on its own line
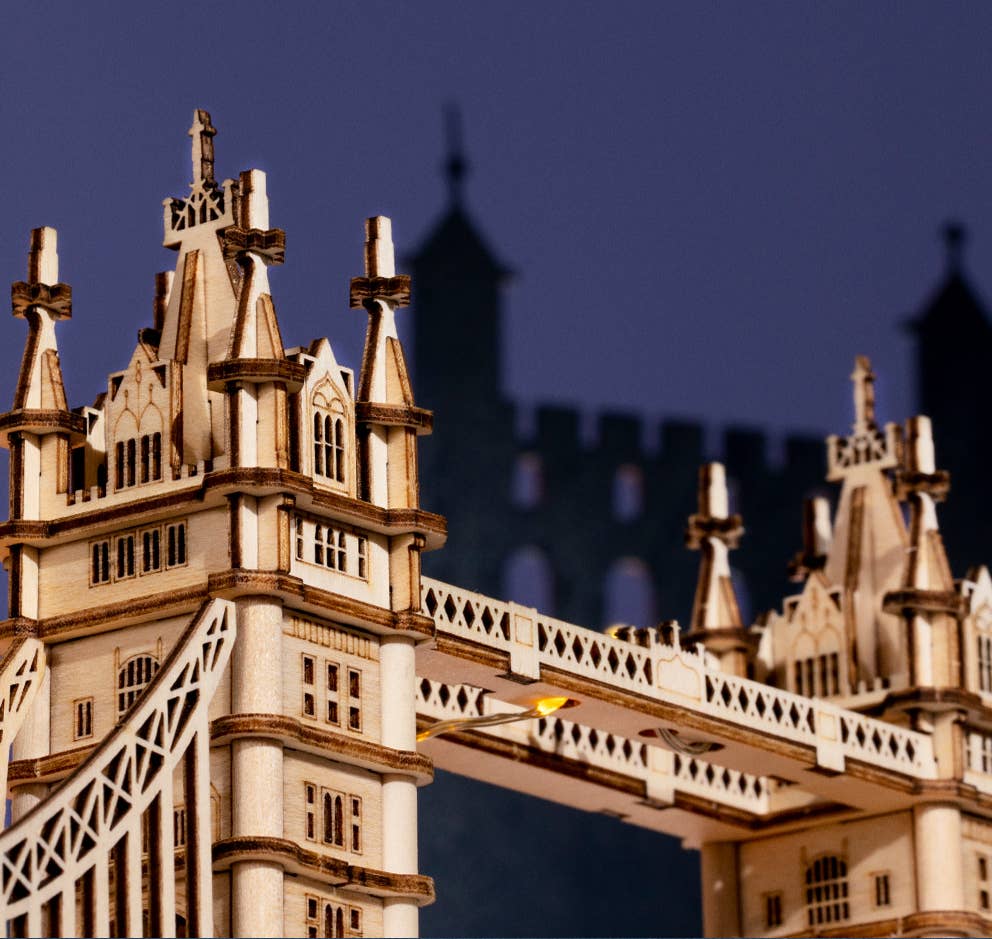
point(547, 706)
point(543, 708)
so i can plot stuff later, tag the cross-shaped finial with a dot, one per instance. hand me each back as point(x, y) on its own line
point(202, 133)
point(713, 520)
point(381, 282)
point(864, 395)
point(42, 288)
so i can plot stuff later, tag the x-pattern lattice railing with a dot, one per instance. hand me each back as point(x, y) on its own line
point(57, 861)
point(21, 674)
point(572, 741)
point(667, 672)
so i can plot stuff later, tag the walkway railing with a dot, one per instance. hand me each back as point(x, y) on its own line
point(668, 673)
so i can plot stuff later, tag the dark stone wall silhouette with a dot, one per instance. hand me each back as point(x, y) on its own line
point(509, 865)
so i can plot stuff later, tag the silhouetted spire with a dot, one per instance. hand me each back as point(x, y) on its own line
point(955, 239)
point(455, 164)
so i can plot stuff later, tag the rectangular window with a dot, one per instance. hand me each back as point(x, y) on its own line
point(131, 461)
point(179, 826)
point(355, 915)
point(151, 551)
point(983, 884)
point(309, 705)
point(773, 910)
point(311, 808)
point(119, 453)
point(356, 824)
point(82, 724)
point(986, 740)
point(175, 539)
point(125, 556)
point(354, 699)
point(299, 539)
point(313, 917)
point(332, 693)
point(318, 544)
point(156, 456)
point(834, 673)
point(145, 458)
point(882, 894)
point(100, 563)
point(363, 557)
point(985, 663)
point(342, 552)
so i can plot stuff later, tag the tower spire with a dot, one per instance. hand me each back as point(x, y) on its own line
point(864, 395)
point(202, 133)
point(955, 240)
point(455, 164)
point(716, 618)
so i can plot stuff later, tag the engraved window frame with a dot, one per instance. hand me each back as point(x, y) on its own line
point(881, 881)
point(330, 428)
point(316, 540)
point(82, 707)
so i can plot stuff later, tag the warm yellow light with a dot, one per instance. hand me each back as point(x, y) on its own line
point(543, 708)
point(547, 706)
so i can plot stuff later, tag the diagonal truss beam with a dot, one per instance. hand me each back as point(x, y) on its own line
point(66, 843)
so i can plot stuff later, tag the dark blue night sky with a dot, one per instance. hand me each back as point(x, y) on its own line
point(710, 208)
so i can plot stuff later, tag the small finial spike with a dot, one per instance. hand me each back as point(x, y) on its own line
point(864, 394)
point(202, 133)
point(955, 239)
point(713, 499)
point(163, 287)
point(455, 165)
point(379, 258)
point(254, 201)
point(919, 450)
point(43, 257)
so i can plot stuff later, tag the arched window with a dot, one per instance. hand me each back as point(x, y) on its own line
point(329, 428)
point(628, 492)
point(339, 450)
point(339, 922)
point(628, 594)
point(529, 579)
point(329, 921)
point(983, 639)
point(328, 819)
point(339, 821)
point(318, 445)
point(318, 544)
point(134, 676)
point(826, 891)
point(528, 481)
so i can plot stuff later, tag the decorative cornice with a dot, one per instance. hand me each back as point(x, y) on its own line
point(301, 861)
point(255, 372)
point(42, 421)
point(312, 601)
point(395, 415)
point(292, 732)
point(253, 480)
point(912, 600)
